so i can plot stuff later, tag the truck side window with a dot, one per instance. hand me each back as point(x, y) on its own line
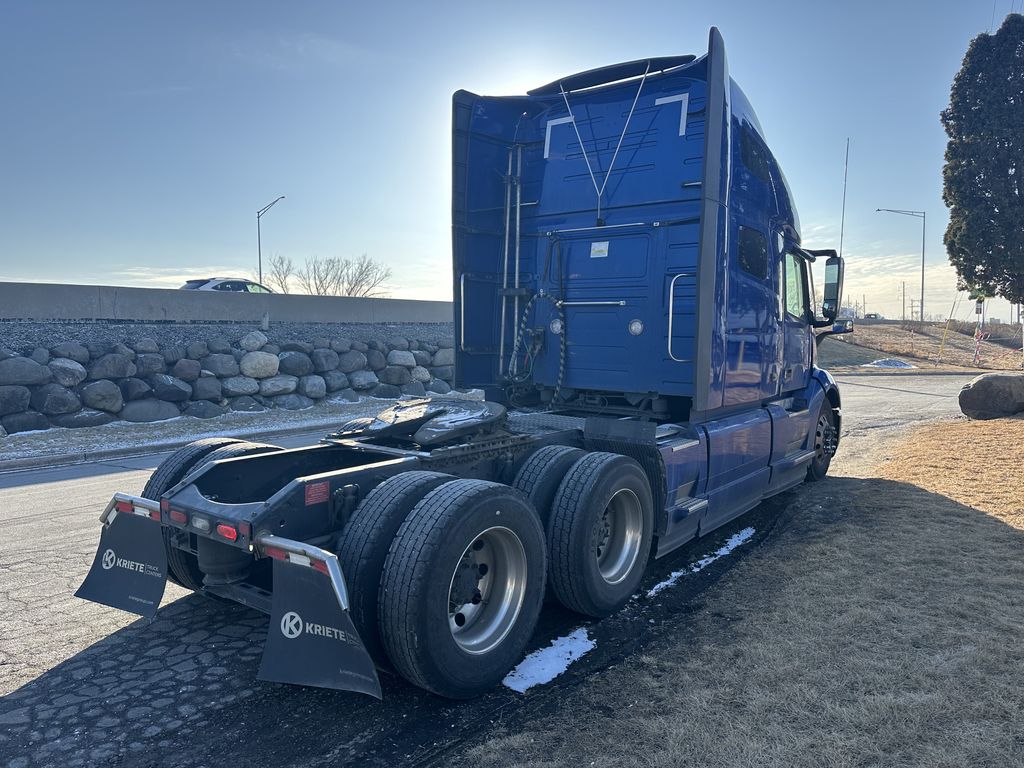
point(753, 155)
point(753, 252)
point(796, 287)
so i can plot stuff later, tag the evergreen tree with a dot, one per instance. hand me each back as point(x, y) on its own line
point(982, 185)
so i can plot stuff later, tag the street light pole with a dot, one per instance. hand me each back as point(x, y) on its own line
point(923, 217)
point(259, 244)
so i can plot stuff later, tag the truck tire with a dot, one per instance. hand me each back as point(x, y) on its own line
point(826, 440)
point(170, 473)
point(365, 541)
point(542, 473)
point(599, 536)
point(182, 565)
point(462, 588)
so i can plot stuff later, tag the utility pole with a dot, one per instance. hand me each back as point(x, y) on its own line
point(912, 303)
point(904, 301)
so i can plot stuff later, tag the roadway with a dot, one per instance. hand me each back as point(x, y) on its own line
point(86, 684)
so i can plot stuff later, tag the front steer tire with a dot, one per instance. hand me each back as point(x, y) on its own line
point(428, 564)
point(599, 535)
point(365, 541)
point(826, 440)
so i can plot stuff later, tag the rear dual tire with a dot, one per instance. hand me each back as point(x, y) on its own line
point(462, 587)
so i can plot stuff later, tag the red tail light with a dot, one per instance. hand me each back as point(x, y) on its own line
point(178, 516)
point(154, 514)
point(227, 531)
point(274, 552)
point(320, 565)
point(124, 506)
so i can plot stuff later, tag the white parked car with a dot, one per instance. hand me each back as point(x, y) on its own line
point(230, 284)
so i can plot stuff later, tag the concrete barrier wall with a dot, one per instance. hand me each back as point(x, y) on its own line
point(40, 302)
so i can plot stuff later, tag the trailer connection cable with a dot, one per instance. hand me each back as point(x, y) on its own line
point(521, 332)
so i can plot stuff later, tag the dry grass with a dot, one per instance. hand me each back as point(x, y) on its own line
point(924, 343)
point(880, 625)
point(977, 463)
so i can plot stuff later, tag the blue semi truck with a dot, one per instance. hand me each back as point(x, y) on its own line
point(632, 297)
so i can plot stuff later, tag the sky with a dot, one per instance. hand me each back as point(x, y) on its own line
point(138, 140)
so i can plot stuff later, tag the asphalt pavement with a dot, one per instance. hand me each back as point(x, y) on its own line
point(82, 684)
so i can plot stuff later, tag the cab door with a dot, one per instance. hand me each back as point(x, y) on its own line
point(796, 321)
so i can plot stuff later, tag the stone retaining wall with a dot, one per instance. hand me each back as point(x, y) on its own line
point(90, 381)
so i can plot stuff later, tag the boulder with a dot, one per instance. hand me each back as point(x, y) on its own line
point(22, 371)
point(359, 346)
point(292, 402)
point(297, 346)
point(238, 354)
point(400, 357)
point(363, 380)
point(98, 349)
point(423, 358)
point(993, 396)
point(324, 360)
point(67, 372)
point(170, 388)
point(147, 363)
point(238, 386)
point(260, 365)
point(203, 409)
point(398, 342)
point(439, 386)
point(421, 374)
point(41, 355)
point(123, 349)
point(219, 346)
point(341, 345)
point(26, 421)
point(71, 350)
point(351, 361)
point(444, 357)
point(335, 380)
point(145, 346)
point(197, 350)
point(149, 410)
point(272, 349)
point(295, 363)
point(53, 399)
point(187, 369)
point(6, 353)
point(395, 374)
point(111, 366)
point(134, 389)
point(378, 345)
point(173, 354)
point(221, 364)
point(375, 360)
point(14, 399)
point(206, 388)
point(413, 345)
point(386, 391)
point(445, 372)
point(252, 341)
point(312, 386)
point(414, 388)
point(244, 403)
point(103, 395)
point(86, 417)
point(349, 395)
point(278, 385)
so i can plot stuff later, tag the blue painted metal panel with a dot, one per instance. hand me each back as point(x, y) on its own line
point(739, 447)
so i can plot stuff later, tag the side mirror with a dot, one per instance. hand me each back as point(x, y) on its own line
point(833, 287)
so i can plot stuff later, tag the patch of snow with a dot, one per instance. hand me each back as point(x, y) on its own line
point(734, 541)
point(544, 665)
point(889, 362)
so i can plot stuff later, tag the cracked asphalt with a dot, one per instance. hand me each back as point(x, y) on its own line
point(81, 684)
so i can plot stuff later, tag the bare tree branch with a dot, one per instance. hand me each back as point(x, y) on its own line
point(365, 277)
point(333, 276)
point(281, 271)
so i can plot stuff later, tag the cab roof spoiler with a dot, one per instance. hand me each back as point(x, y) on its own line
point(613, 73)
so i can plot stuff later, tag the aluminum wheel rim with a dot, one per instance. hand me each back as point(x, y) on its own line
point(618, 534)
point(484, 603)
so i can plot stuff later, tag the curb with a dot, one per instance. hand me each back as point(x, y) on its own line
point(907, 372)
point(68, 459)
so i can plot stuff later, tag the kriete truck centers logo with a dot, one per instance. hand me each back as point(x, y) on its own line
point(292, 626)
point(111, 560)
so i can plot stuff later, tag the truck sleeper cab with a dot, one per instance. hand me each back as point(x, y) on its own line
point(633, 298)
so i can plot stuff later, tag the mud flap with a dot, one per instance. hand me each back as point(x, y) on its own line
point(311, 639)
point(130, 568)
